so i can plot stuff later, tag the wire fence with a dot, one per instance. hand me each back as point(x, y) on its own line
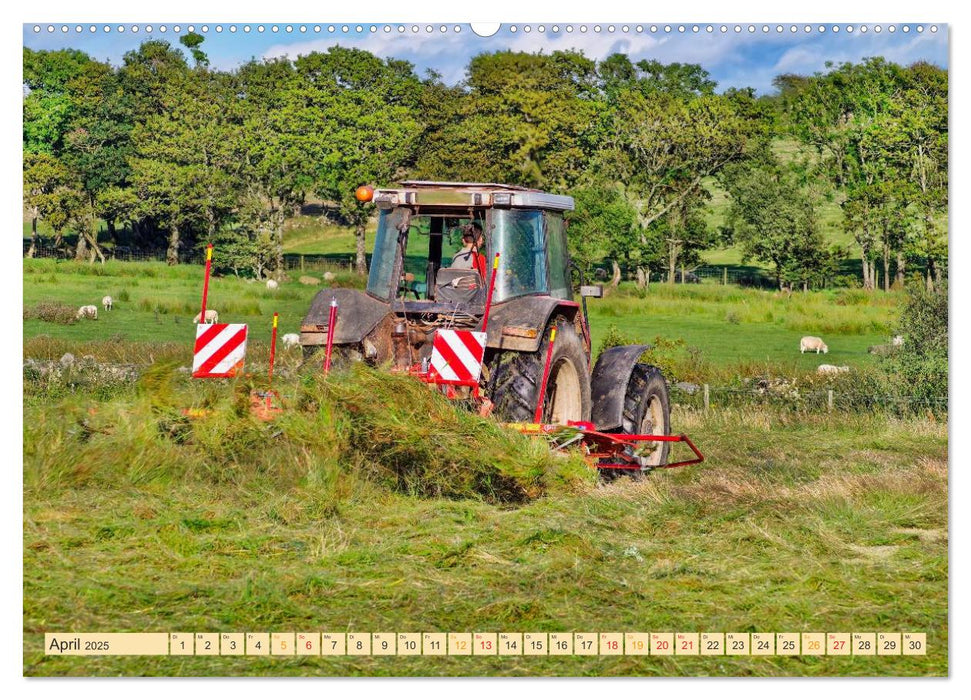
point(705, 397)
point(291, 261)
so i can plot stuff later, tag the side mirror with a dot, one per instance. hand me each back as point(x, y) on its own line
point(593, 291)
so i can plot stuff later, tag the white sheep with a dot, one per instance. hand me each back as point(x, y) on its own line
point(106, 302)
point(212, 316)
point(291, 340)
point(89, 311)
point(272, 284)
point(898, 341)
point(811, 342)
point(832, 369)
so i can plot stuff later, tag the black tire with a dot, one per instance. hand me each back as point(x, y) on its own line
point(515, 378)
point(646, 404)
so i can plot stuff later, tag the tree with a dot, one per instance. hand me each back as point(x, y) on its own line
point(526, 119)
point(49, 193)
point(605, 225)
point(665, 135)
point(882, 133)
point(364, 123)
point(193, 41)
point(189, 160)
point(921, 363)
point(773, 217)
point(47, 103)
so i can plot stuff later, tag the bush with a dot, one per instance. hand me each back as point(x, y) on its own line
point(52, 312)
point(847, 281)
point(921, 364)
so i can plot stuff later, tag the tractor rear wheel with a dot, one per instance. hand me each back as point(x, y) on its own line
point(515, 379)
point(647, 411)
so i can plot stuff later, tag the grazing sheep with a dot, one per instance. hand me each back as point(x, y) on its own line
point(811, 342)
point(271, 284)
point(311, 281)
point(106, 302)
point(898, 341)
point(212, 316)
point(89, 311)
point(832, 369)
point(291, 340)
point(329, 276)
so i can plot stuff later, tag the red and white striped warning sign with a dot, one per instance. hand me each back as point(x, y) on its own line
point(457, 355)
point(220, 349)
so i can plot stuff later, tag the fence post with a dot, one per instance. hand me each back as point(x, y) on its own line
point(301, 262)
point(829, 400)
point(725, 276)
point(706, 397)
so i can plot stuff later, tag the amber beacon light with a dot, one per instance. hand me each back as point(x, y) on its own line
point(364, 193)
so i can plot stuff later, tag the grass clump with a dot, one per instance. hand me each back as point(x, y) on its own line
point(420, 443)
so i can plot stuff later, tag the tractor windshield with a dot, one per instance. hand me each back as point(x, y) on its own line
point(428, 243)
point(517, 236)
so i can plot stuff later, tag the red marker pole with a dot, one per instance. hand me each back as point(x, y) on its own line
point(205, 285)
point(273, 346)
point(538, 417)
point(269, 390)
point(331, 323)
point(492, 286)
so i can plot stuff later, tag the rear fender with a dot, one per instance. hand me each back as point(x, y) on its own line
point(608, 385)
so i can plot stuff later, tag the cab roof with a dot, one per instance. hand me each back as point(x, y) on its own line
point(470, 194)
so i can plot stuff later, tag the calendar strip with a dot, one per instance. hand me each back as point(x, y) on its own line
point(289, 644)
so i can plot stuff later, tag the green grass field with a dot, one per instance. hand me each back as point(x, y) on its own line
point(372, 504)
point(730, 326)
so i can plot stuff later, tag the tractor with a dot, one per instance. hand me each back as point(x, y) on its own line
point(421, 287)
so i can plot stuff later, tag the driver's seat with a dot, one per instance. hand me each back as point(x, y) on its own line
point(459, 286)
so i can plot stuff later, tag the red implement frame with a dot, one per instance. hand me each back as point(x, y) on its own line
point(607, 450)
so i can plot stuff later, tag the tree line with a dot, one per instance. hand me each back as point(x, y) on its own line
point(178, 154)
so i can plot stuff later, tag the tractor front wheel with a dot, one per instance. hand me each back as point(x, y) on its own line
point(647, 411)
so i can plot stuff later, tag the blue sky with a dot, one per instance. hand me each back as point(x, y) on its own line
point(734, 59)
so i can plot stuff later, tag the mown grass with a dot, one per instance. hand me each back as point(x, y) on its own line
point(372, 505)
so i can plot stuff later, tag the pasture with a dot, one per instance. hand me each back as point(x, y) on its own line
point(375, 505)
point(730, 327)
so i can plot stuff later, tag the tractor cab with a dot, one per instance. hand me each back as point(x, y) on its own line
point(420, 256)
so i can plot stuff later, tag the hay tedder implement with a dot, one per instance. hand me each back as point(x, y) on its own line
point(507, 338)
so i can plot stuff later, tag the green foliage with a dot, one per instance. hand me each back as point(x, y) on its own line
point(773, 218)
point(604, 224)
point(167, 155)
point(921, 363)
